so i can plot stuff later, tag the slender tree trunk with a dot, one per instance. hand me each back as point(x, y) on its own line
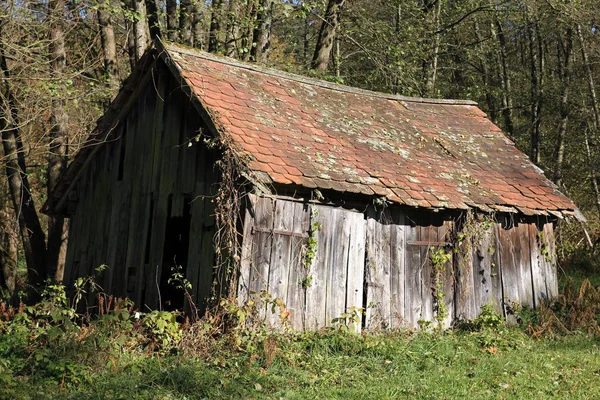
point(9, 247)
point(564, 51)
point(306, 41)
point(505, 82)
point(261, 40)
point(592, 166)
point(250, 14)
point(109, 45)
point(172, 20)
point(432, 64)
point(326, 36)
point(536, 91)
point(596, 122)
point(215, 26)
point(185, 22)
point(57, 155)
point(398, 69)
point(232, 33)
point(153, 21)
point(131, 43)
point(485, 74)
point(197, 30)
point(589, 77)
point(32, 235)
point(140, 28)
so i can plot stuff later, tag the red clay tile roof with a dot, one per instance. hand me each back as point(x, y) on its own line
point(315, 134)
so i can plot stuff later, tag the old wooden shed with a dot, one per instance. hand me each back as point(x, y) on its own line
point(394, 209)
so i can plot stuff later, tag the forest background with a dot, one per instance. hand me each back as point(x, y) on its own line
point(533, 66)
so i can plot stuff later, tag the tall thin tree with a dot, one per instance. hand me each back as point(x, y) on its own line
point(327, 34)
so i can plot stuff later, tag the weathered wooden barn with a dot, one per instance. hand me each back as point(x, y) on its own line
point(408, 209)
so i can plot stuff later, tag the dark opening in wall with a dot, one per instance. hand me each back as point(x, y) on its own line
point(175, 255)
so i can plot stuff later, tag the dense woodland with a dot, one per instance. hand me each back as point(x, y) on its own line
point(533, 66)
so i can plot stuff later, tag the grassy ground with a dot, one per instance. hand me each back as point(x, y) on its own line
point(502, 363)
point(46, 351)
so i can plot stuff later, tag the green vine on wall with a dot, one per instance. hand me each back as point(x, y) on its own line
point(310, 251)
point(439, 259)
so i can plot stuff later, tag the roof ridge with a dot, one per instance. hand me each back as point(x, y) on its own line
point(171, 47)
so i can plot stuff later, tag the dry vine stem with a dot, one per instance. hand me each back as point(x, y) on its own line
point(227, 215)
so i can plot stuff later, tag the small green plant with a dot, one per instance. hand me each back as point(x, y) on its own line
point(349, 319)
point(489, 318)
point(163, 327)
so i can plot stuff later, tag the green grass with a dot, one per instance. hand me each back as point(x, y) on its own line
point(47, 352)
point(488, 364)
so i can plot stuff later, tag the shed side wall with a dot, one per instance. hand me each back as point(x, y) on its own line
point(388, 254)
point(144, 186)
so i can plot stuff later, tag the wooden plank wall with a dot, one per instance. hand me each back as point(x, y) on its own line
point(152, 171)
point(276, 233)
point(390, 273)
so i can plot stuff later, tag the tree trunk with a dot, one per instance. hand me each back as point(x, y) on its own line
point(432, 64)
point(326, 36)
point(485, 74)
point(57, 155)
point(232, 33)
point(564, 51)
point(306, 41)
point(505, 81)
point(261, 40)
point(592, 166)
point(185, 22)
point(197, 24)
point(109, 46)
point(215, 26)
point(140, 28)
point(536, 89)
point(589, 78)
point(34, 240)
point(247, 38)
point(9, 247)
point(596, 122)
point(131, 43)
point(172, 21)
point(153, 21)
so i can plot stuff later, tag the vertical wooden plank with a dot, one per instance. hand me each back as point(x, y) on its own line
point(483, 292)
point(338, 265)
point(378, 271)
point(464, 305)
point(428, 234)
point(283, 220)
point(508, 265)
point(295, 300)
point(397, 270)
point(495, 254)
point(261, 245)
point(444, 236)
point(356, 264)
point(316, 293)
point(246, 250)
point(208, 190)
point(539, 282)
point(521, 237)
point(549, 260)
point(413, 265)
